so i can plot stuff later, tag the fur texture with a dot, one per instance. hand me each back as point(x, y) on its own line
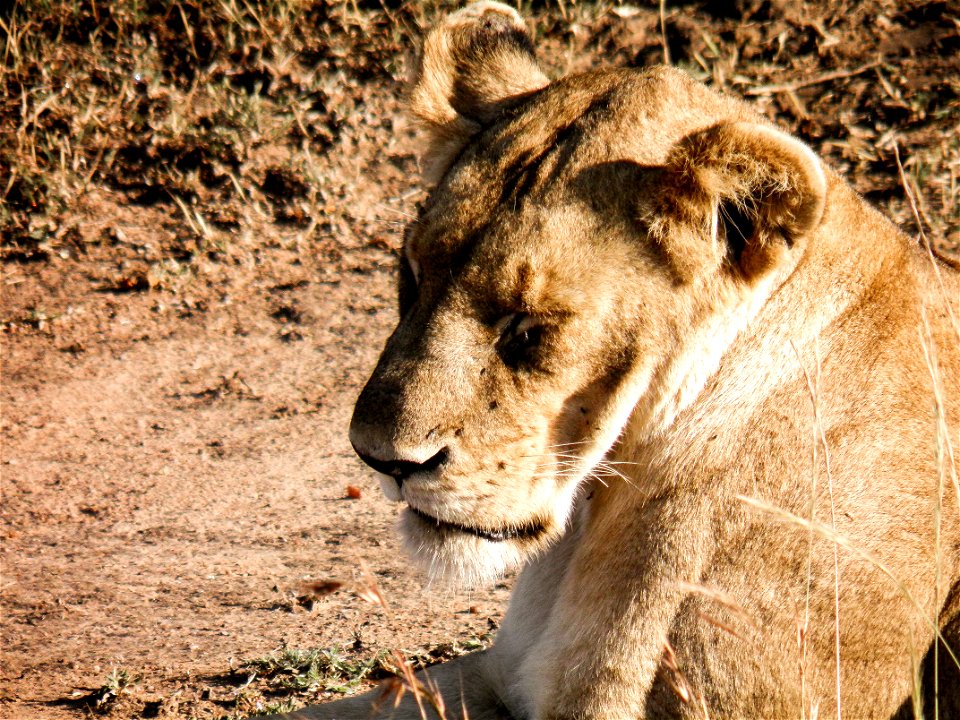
point(655, 352)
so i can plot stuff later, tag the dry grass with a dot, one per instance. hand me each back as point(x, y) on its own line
point(227, 112)
point(231, 117)
point(819, 445)
point(841, 541)
point(946, 460)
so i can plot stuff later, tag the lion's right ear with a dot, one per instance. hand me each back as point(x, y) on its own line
point(739, 196)
point(474, 65)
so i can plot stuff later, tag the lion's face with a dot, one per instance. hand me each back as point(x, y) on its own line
point(506, 379)
point(561, 275)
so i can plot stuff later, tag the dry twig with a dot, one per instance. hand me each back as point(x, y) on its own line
point(797, 84)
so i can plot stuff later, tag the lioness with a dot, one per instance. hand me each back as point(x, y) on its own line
point(655, 352)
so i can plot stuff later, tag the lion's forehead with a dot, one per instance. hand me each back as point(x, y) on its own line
point(570, 143)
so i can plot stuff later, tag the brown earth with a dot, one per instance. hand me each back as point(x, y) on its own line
point(187, 324)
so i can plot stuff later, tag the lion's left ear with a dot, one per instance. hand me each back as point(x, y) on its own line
point(473, 66)
point(749, 190)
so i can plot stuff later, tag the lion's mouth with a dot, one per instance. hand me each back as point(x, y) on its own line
point(523, 532)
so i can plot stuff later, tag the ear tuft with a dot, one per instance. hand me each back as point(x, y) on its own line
point(751, 190)
point(477, 63)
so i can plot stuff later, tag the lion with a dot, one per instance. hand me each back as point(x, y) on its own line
point(658, 355)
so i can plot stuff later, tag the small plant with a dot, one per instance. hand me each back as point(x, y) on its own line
point(117, 683)
point(329, 669)
point(251, 702)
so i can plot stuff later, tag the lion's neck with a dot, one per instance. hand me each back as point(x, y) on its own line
point(680, 380)
point(755, 344)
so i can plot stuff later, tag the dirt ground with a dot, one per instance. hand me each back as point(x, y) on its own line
point(197, 276)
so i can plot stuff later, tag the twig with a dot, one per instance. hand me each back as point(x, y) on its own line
point(797, 84)
point(663, 32)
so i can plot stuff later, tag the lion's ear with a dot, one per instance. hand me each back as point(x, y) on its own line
point(750, 190)
point(473, 66)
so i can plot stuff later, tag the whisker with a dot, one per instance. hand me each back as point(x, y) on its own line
point(613, 471)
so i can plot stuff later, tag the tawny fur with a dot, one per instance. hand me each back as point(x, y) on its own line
point(729, 416)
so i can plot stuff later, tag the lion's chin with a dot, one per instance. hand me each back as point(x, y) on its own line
point(467, 556)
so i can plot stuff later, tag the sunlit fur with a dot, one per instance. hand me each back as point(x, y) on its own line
point(636, 320)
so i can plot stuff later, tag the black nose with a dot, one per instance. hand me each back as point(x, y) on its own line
point(400, 470)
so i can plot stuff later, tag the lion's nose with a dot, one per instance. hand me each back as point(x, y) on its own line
point(400, 470)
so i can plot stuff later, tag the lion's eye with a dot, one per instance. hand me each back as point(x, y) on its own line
point(518, 340)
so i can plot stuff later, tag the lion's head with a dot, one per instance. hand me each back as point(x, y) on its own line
point(590, 248)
